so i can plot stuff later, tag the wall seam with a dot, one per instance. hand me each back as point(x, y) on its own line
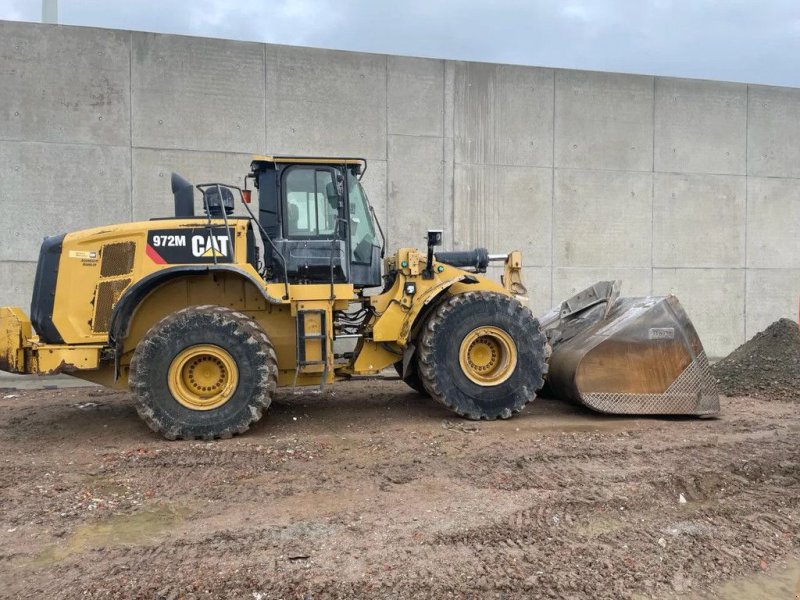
point(196, 151)
point(421, 135)
point(388, 165)
point(130, 119)
point(653, 195)
point(553, 197)
point(444, 162)
point(266, 121)
point(444, 209)
point(452, 153)
point(681, 268)
point(746, 201)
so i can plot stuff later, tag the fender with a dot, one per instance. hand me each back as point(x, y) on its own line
point(426, 301)
point(127, 304)
point(397, 321)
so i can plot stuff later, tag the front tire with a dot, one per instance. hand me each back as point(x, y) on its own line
point(482, 355)
point(203, 372)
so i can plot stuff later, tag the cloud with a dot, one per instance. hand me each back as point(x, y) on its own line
point(737, 40)
point(14, 10)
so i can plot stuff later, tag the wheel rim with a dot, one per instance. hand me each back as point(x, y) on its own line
point(203, 377)
point(488, 356)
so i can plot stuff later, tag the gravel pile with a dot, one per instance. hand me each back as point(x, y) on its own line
point(767, 366)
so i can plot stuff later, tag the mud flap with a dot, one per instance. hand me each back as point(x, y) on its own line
point(408, 354)
point(628, 355)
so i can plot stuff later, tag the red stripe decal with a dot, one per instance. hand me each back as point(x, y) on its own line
point(154, 256)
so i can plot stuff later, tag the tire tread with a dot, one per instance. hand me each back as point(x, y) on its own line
point(430, 369)
point(245, 329)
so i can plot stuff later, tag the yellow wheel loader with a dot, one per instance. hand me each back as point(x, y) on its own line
point(203, 316)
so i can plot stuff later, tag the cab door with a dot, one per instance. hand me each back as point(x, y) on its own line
point(313, 231)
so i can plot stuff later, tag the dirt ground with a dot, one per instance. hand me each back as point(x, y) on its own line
point(372, 491)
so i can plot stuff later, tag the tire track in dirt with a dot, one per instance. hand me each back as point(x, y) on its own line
point(356, 501)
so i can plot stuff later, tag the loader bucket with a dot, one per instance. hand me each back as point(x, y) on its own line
point(628, 355)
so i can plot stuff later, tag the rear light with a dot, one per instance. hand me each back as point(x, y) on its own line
point(246, 196)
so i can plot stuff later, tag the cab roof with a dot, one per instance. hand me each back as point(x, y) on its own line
point(273, 161)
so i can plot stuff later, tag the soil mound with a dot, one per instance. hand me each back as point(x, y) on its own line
point(766, 366)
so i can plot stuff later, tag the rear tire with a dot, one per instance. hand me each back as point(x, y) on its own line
point(482, 355)
point(203, 372)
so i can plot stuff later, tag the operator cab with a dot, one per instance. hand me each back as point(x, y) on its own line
point(317, 219)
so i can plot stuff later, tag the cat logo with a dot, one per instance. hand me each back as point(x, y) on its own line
point(197, 245)
point(210, 246)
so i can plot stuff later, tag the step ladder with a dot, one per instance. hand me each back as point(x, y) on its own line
point(312, 343)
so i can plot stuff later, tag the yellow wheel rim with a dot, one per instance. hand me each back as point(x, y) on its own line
point(488, 356)
point(203, 377)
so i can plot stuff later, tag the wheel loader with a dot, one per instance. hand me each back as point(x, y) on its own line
point(203, 316)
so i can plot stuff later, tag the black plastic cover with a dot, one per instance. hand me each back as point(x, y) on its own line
point(44, 290)
point(218, 199)
point(477, 259)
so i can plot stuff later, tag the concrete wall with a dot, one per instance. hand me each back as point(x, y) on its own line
point(690, 187)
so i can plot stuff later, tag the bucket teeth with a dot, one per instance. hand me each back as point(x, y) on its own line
point(694, 392)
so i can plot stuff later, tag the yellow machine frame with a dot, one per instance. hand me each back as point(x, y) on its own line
point(82, 292)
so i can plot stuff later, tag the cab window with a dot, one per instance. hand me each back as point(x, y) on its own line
point(311, 203)
point(362, 233)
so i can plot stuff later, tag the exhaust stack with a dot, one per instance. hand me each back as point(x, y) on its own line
point(183, 193)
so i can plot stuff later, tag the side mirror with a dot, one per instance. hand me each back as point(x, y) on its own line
point(339, 184)
point(334, 196)
point(434, 237)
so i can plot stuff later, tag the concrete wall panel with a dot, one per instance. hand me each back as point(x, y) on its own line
point(321, 129)
point(17, 278)
point(416, 96)
point(699, 220)
point(374, 183)
point(536, 280)
point(771, 293)
point(714, 301)
point(773, 223)
point(152, 192)
point(503, 209)
point(503, 115)
point(415, 180)
point(326, 102)
point(603, 121)
point(49, 189)
point(197, 94)
point(773, 131)
point(568, 281)
point(64, 84)
point(700, 126)
point(667, 184)
point(602, 218)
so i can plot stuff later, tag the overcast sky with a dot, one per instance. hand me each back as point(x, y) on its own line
point(736, 40)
